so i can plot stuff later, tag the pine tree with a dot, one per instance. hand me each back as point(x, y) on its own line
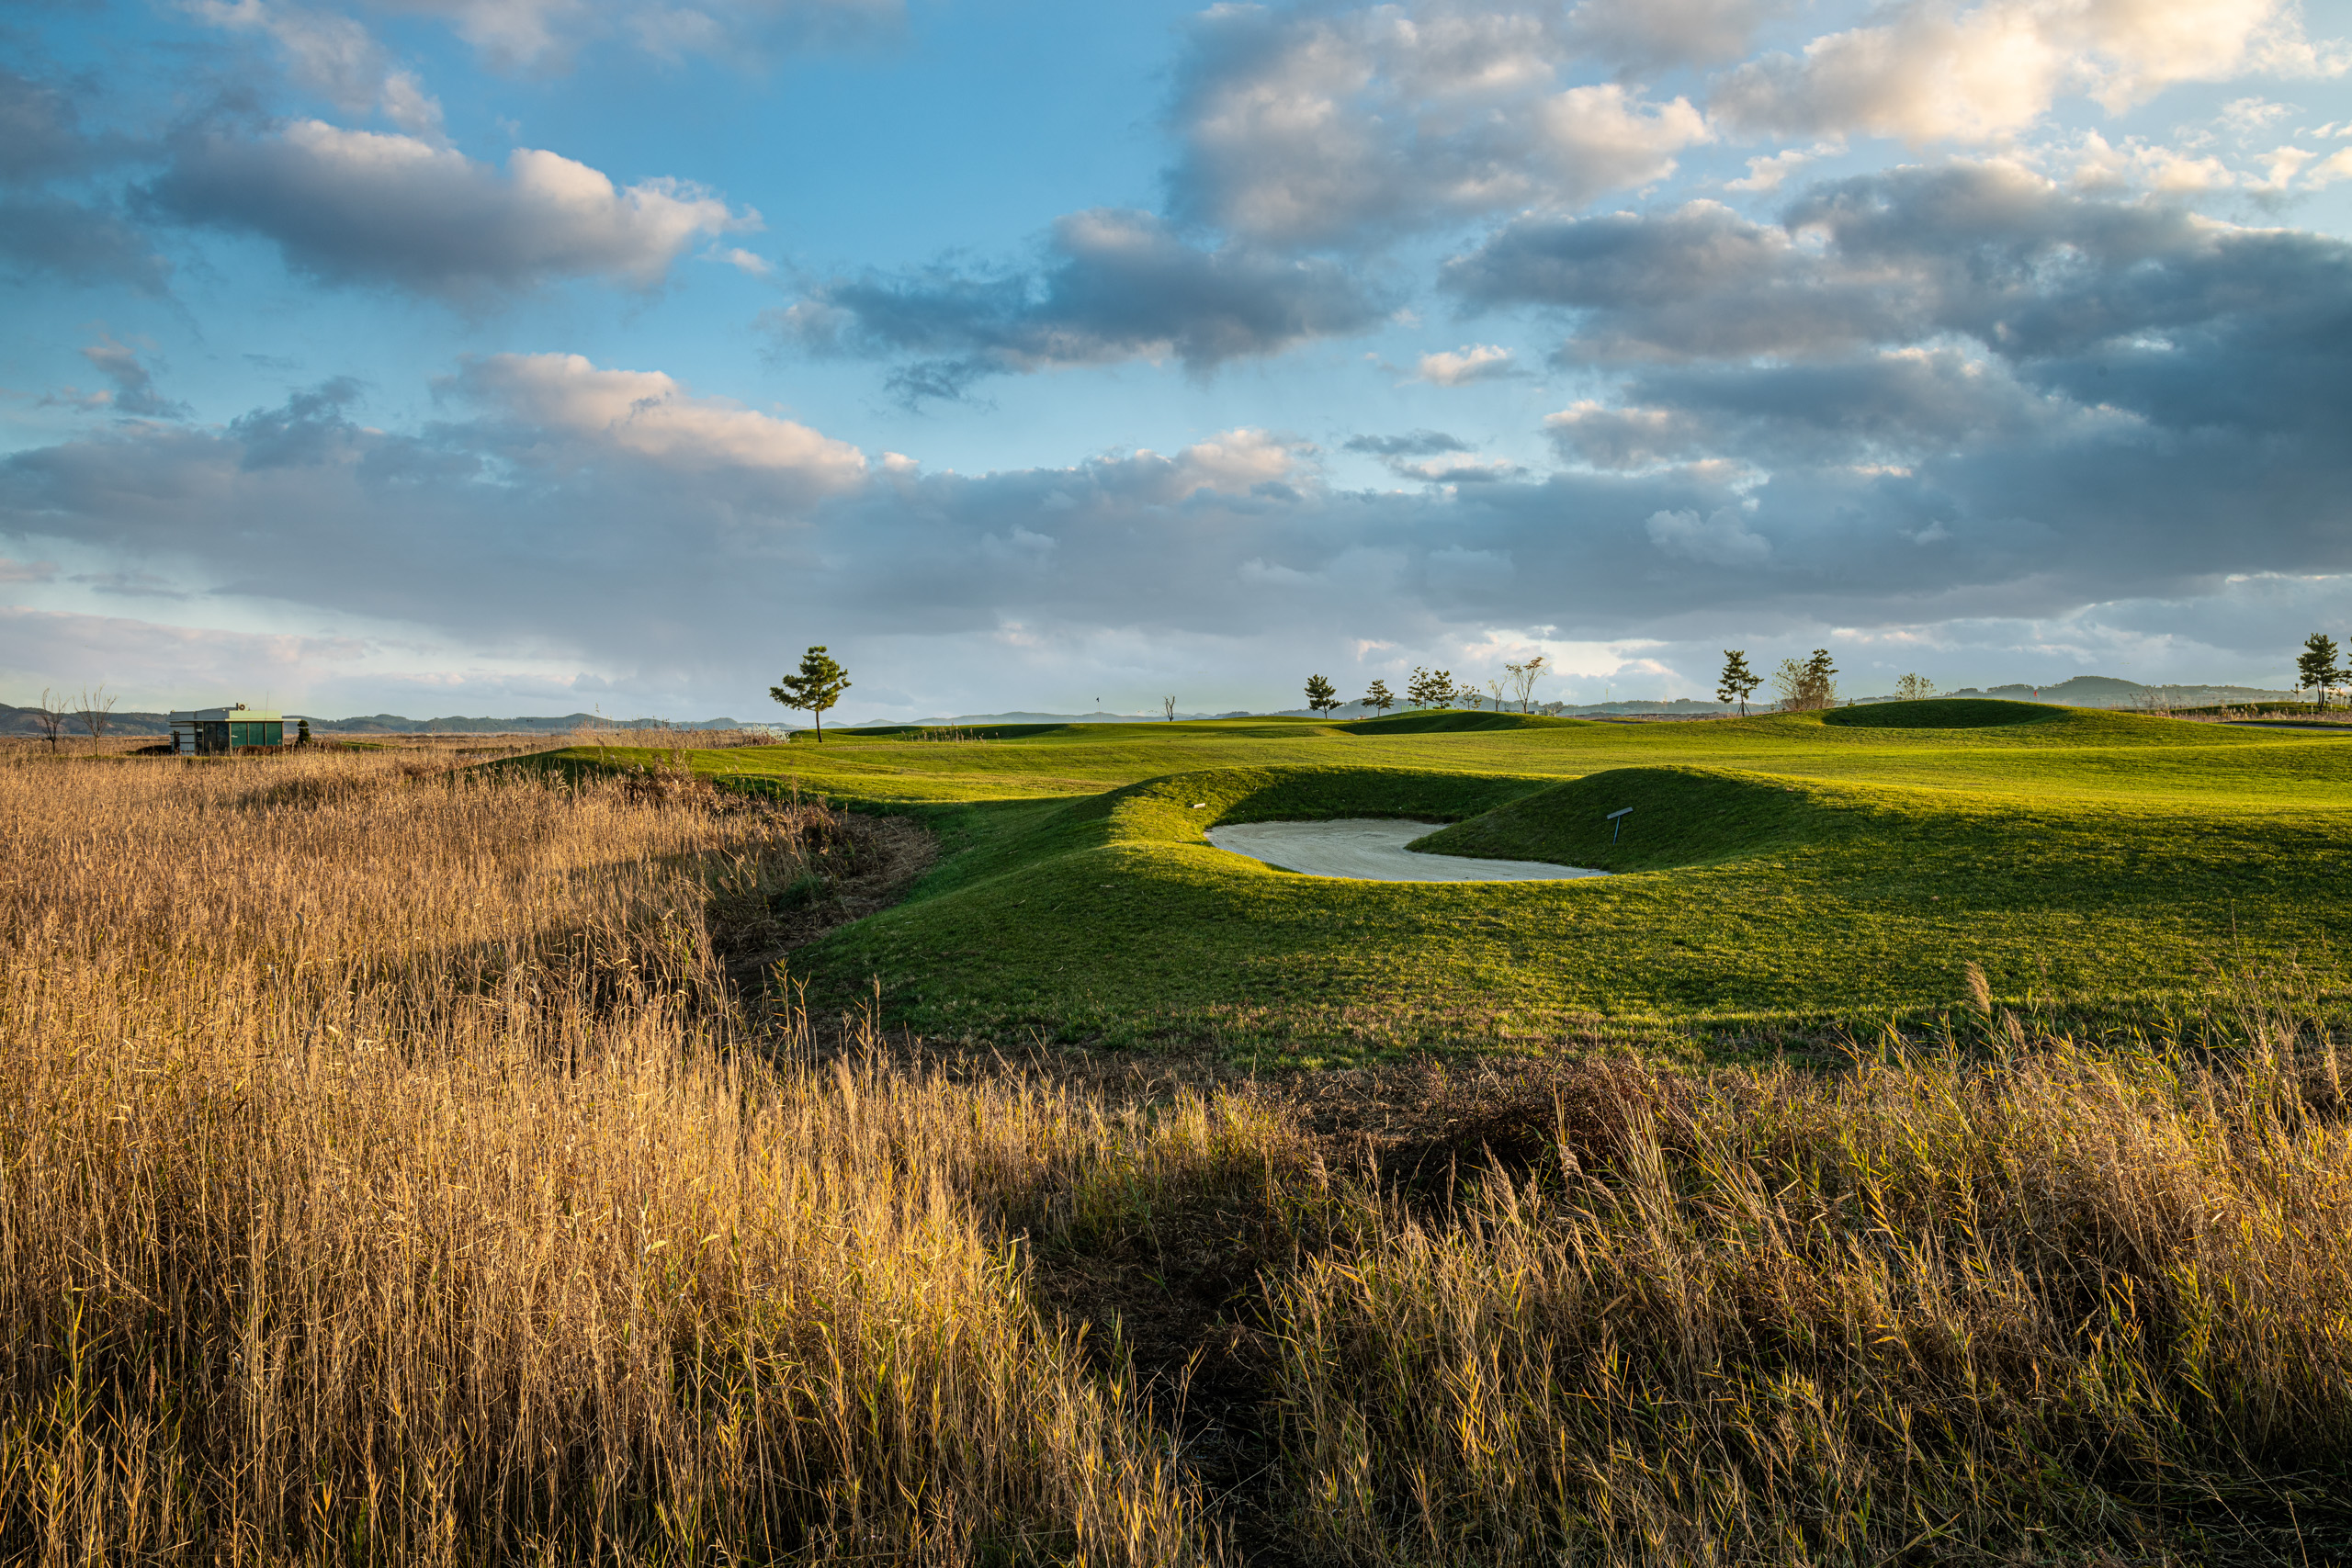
point(1319, 695)
point(1380, 698)
point(817, 685)
point(1737, 680)
point(2316, 668)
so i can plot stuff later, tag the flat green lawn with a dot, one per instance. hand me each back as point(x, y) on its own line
point(1776, 875)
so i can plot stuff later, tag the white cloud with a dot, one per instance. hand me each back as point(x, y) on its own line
point(744, 261)
point(1938, 71)
point(1724, 539)
point(358, 206)
point(647, 413)
point(1471, 362)
point(1767, 173)
point(1322, 128)
point(1233, 462)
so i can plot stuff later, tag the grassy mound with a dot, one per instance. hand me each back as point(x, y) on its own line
point(1454, 721)
point(952, 731)
point(1946, 713)
point(1679, 817)
point(1771, 903)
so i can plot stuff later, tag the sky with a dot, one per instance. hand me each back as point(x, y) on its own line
point(532, 356)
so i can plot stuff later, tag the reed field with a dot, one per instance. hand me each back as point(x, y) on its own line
point(406, 1160)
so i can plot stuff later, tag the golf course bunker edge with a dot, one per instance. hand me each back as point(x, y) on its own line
point(1372, 849)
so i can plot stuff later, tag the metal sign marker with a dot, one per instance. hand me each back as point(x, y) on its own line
point(1615, 825)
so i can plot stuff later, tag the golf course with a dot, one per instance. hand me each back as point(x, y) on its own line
point(1792, 876)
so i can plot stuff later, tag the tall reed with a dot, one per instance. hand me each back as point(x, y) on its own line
point(1948, 1306)
point(384, 1176)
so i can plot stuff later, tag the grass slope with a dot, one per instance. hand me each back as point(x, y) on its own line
point(1775, 874)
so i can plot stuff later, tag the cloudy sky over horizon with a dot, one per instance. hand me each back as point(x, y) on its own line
point(512, 356)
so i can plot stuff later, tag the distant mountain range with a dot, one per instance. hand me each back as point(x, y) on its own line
point(21, 721)
point(2080, 691)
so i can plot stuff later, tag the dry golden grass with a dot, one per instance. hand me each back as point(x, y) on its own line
point(389, 1174)
point(377, 1182)
point(2036, 1304)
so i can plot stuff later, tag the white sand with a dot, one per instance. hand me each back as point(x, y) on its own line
point(1370, 849)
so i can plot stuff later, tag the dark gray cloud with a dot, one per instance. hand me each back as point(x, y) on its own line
point(373, 208)
point(1116, 286)
point(76, 236)
point(2108, 299)
point(1884, 409)
point(41, 131)
point(85, 243)
point(1414, 444)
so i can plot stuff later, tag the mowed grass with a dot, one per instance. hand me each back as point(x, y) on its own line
point(1796, 873)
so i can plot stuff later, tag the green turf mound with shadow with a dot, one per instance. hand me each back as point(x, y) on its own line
point(956, 731)
point(1945, 713)
point(1680, 817)
point(1455, 720)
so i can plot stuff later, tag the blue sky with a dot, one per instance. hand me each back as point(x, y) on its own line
point(525, 355)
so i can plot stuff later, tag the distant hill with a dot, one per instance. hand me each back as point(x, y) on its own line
point(21, 721)
point(2077, 691)
point(2107, 692)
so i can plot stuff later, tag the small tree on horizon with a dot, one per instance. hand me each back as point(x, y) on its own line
point(1431, 689)
point(1914, 689)
point(97, 714)
point(817, 685)
point(1737, 682)
point(1524, 677)
point(2316, 666)
point(51, 714)
point(1167, 709)
point(1380, 698)
point(1320, 696)
point(1806, 685)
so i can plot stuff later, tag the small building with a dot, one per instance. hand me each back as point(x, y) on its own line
point(220, 732)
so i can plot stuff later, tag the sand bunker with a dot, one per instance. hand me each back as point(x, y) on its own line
point(1371, 848)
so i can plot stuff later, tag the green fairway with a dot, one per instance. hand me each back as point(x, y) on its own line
point(1774, 874)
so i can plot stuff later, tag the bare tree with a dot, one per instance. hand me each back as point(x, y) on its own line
point(1914, 688)
point(97, 714)
point(50, 713)
point(1167, 709)
point(1524, 676)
